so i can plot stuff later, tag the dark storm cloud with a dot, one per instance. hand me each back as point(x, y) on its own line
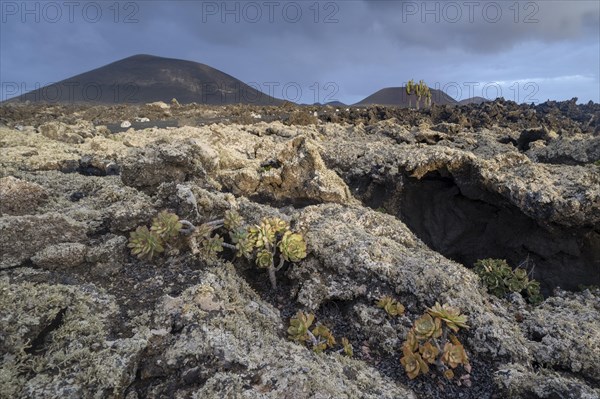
point(487, 26)
point(522, 50)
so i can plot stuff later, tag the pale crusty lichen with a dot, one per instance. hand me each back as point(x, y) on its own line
point(50, 330)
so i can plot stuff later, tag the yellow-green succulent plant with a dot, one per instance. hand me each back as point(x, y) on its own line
point(427, 327)
point(166, 225)
point(454, 320)
point(324, 338)
point(299, 326)
point(243, 245)
point(204, 231)
point(145, 243)
point(212, 246)
point(232, 220)
point(390, 305)
point(411, 343)
point(268, 242)
point(292, 246)
point(262, 234)
point(279, 226)
point(319, 339)
point(454, 355)
point(264, 259)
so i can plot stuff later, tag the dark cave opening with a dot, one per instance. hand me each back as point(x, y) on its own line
point(466, 223)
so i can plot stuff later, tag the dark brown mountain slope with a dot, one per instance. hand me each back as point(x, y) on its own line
point(146, 78)
point(473, 100)
point(397, 96)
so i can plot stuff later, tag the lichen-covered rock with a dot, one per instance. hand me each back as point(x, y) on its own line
point(358, 251)
point(392, 129)
point(60, 132)
point(60, 256)
point(566, 195)
point(564, 333)
point(97, 166)
point(532, 135)
point(450, 128)
point(35, 152)
point(111, 249)
point(228, 339)
point(19, 197)
point(158, 104)
point(55, 342)
point(127, 214)
point(22, 236)
point(293, 172)
point(107, 257)
point(304, 176)
point(577, 149)
point(516, 381)
point(149, 167)
point(470, 203)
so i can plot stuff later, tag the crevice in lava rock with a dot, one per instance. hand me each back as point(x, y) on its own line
point(466, 223)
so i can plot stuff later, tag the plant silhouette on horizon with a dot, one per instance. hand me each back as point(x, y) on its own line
point(420, 90)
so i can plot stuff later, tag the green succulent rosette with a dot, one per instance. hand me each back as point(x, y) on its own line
point(299, 326)
point(427, 327)
point(264, 259)
point(278, 225)
point(450, 315)
point(145, 243)
point(232, 220)
point(292, 247)
point(166, 225)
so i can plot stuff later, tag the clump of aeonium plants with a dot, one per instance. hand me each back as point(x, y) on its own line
point(319, 339)
point(432, 342)
point(500, 279)
point(145, 243)
point(270, 243)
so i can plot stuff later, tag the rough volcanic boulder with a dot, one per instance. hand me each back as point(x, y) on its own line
point(18, 197)
point(22, 236)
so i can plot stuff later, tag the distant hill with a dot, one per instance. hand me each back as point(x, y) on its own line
point(397, 96)
point(147, 78)
point(473, 100)
point(336, 104)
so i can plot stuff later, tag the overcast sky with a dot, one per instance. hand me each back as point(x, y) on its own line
point(526, 51)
